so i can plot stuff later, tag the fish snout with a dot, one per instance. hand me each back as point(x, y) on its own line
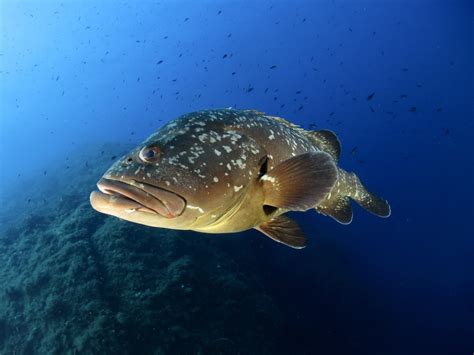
point(137, 196)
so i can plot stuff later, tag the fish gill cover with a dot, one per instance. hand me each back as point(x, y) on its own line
point(82, 84)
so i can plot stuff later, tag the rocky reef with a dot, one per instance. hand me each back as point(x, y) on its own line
point(76, 281)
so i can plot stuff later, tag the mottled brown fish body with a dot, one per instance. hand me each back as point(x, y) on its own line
point(225, 171)
point(244, 215)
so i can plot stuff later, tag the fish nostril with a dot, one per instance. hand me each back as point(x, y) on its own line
point(126, 162)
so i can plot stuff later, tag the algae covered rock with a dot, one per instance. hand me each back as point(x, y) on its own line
point(75, 281)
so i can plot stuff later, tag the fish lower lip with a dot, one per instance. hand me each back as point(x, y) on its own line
point(135, 196)
point(110, 201)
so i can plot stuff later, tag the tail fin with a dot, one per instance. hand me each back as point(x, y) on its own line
point(337, 205)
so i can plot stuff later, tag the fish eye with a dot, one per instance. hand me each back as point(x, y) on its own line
point(150, 154)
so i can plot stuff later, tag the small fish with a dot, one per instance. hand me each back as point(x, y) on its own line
point(413, 109)
point(371, 96)
point(227, 171)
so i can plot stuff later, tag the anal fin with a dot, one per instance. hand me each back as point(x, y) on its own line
point(284, 230)
point(338, 207)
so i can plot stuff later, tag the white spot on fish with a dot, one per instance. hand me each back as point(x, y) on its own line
point(240, 164)
point(195, 208)
point(268, 178)
point(203, 137)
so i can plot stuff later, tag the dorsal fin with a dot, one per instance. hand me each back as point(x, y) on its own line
point(327, 141)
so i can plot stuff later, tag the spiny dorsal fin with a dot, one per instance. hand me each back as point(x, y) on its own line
point(301, 182)
point(284, 230)
point(327, 141)
point(337, 207)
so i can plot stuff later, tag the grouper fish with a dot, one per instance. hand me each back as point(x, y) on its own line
point(228, 170)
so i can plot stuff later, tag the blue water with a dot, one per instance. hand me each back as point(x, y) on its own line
point(74, 75)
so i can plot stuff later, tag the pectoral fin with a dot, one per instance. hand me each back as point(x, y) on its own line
point(301, 182)
point(284, 230)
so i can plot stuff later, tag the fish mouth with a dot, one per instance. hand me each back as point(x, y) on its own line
point(133, 196)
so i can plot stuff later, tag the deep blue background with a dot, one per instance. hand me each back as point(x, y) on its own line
point(76, 74)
